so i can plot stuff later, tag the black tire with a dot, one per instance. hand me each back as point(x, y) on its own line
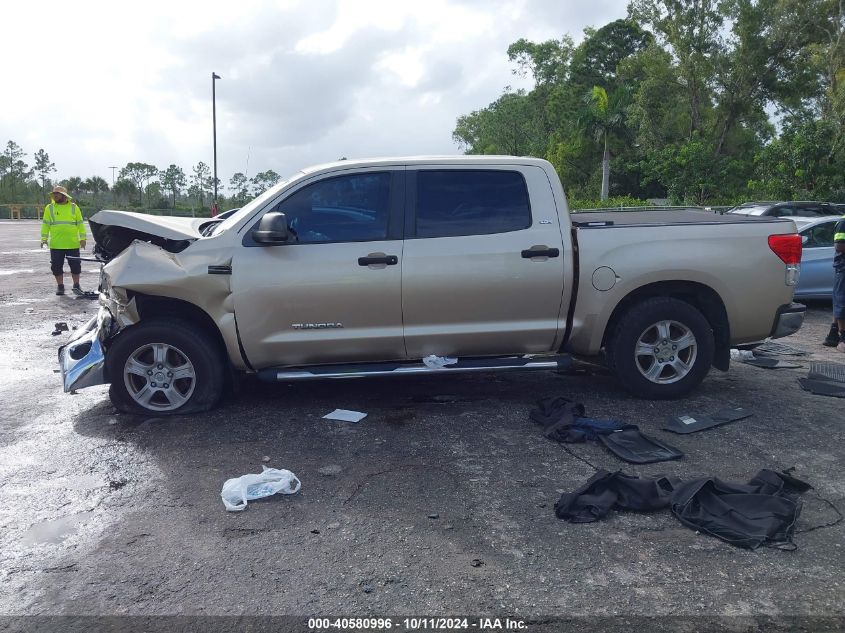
point(638, 325)
point(197, 392)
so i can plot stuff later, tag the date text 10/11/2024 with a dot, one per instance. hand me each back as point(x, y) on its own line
point(417, 624)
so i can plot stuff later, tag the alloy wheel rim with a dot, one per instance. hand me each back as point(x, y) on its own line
point(159, 377)
point(665, 352)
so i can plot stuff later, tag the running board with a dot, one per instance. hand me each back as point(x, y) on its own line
point(362, 370)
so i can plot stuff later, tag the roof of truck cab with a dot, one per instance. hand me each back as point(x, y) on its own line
point(599, 219)
point(452, 159)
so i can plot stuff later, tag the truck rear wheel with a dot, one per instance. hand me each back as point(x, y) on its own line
point(164, 367)
point(661, 348)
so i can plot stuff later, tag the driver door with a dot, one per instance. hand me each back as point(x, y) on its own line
point(332, 293)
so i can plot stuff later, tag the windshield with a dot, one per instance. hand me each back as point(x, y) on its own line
point(251, 206)
point(750, 210)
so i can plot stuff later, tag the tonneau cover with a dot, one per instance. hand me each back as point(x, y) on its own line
point(592, 219)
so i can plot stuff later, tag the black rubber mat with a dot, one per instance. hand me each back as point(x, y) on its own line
point(771, 363)
point(827, 371)
point(632, 446)
point(823, 387)
point(770, 348)
point(685, 423)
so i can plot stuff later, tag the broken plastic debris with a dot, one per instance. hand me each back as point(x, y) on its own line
point(742, 354)
point(238, 491)
point(343, 415)
point(60, 327)
point(438, 362)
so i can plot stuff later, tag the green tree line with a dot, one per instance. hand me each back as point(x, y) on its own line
point(138, 185)
point(697, 101)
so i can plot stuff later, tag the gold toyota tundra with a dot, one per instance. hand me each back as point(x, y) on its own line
point(392, 266)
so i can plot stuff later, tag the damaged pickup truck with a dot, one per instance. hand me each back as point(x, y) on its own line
point(364, 268)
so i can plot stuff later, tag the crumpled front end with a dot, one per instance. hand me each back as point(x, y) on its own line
point(82, 360)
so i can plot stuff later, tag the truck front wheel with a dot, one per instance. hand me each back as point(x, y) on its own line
point(660, 348)
point(164, 367)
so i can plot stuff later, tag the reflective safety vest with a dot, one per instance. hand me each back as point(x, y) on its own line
point(839, 234)
point(63, 225)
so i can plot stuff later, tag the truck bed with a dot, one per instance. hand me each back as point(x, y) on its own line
point(599, 219)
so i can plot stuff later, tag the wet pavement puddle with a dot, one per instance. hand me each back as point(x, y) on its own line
point(53, 531)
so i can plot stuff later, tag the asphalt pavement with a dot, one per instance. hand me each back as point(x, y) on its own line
point(441, 501)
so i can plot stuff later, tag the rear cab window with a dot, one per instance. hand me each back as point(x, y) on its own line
point(456, 202)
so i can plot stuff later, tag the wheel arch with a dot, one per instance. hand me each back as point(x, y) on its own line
point(151, 307)
point(700, 296)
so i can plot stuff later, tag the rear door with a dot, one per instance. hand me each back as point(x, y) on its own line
point(816, 278)
point(332, 293)
point(483, 264)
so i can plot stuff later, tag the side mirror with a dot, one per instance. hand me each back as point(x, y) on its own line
point(272, 229)
point(805, 239)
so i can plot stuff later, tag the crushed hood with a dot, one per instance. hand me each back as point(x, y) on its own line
point(164, 226)
point(114, 231)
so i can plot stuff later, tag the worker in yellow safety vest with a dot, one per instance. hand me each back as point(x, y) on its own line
point(63, 229)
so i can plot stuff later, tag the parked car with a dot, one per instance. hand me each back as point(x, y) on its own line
point(816, 281)
point(788, 209)
point(364, 268)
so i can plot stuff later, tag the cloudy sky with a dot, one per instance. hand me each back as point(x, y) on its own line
point(303, 82)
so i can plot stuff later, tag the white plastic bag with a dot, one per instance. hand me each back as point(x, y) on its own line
point(742, 354)
point(236, 492)
point(438, 362)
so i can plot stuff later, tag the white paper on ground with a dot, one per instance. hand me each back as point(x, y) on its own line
point(344, 415)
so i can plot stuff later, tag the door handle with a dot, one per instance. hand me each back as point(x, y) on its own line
point(540, 252)
point(390, 260)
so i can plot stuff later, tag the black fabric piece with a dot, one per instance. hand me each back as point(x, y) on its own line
point(549, 411)
point(605, 491)
point(684, 424)
point(762, 512)
point(563, 421)
point(634, 447)
point(823, 387)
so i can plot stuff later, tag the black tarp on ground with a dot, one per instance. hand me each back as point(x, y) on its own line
point(762, 512)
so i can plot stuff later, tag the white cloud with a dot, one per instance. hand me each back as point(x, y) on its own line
point(103, 83)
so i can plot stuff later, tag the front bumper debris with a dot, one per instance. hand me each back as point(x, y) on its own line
point(788, 320)
point(81, 359)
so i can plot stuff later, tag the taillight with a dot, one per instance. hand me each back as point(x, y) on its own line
point(787, 247)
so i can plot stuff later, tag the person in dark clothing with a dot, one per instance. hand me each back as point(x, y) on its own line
point(836, 336)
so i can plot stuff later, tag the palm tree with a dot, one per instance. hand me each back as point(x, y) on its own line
point(95, 185)
point(604, 115)
point(74, 185)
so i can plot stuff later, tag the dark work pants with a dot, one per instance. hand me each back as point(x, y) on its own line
point(57, 259)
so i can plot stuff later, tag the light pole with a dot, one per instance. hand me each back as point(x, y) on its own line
point(112, 167)
point(214, 77)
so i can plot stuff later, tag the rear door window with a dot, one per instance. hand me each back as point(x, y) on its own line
point(456, 202)
point(821, 235)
